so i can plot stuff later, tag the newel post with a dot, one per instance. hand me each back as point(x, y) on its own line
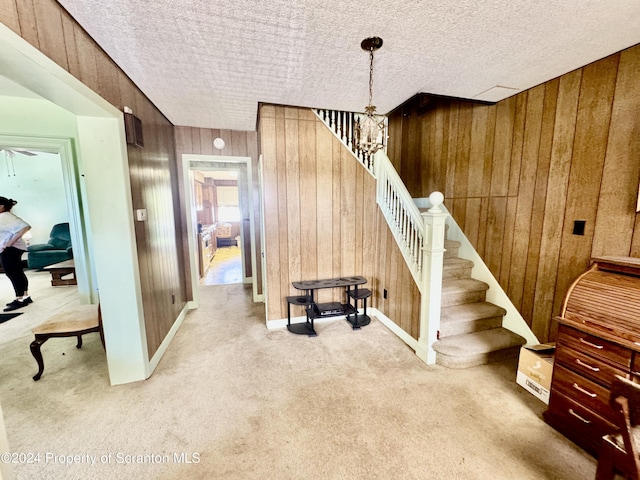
point(432, 259)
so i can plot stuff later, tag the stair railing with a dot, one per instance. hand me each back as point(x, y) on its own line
point(397, 206)
point(344, 125)
point(402, 215)
point(419, 236)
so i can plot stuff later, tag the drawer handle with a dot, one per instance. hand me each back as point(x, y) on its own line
point(599, 347)
point(582, 419)
point(586, 365)
point(582, 390)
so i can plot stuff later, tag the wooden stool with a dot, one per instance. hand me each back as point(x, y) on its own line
point(359, 320)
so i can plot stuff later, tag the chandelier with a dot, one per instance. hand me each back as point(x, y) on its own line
point(371, 127)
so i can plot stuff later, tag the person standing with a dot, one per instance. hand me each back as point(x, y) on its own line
point(12, 246)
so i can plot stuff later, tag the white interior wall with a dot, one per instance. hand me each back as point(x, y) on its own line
point(36, 183)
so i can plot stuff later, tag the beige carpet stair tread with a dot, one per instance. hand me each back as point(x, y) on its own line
point(456, 268)
point(457, 262)
point(463, 285)
point(451, 249)
point(470, 312)
point(478, 343)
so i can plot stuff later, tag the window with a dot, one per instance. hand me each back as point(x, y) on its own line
point(228, 204)
point(228, 214)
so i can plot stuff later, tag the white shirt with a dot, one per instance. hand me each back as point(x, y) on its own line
point(9, 226)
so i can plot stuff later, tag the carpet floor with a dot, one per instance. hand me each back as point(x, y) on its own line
point(233, 400)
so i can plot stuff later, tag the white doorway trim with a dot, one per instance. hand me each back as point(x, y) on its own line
point(75, 199)
point(191, 162)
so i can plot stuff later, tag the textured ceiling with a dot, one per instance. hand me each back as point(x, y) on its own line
point(207, 63)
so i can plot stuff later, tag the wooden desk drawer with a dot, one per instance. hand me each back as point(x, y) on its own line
point(590, 367)
point(594, 346)
point(578, 423)
point(590, 394)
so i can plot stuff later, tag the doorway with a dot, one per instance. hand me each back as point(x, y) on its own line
point(40, 173)
point(244, 236)
point(219, 215)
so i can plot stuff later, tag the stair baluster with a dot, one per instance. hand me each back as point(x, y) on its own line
point(410, 230)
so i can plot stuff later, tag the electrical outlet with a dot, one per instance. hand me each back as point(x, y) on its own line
point(141, 214)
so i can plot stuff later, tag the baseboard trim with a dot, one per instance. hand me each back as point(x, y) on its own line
point(153, 362)
point(395, 328)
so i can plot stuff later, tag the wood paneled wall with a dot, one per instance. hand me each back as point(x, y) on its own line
point(199, 141)
point(48, 27)
point(313, 205)
point(517, 174)
point(402, 304)
point(321, 218)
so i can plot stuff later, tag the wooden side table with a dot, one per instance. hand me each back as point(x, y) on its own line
point(59, 270)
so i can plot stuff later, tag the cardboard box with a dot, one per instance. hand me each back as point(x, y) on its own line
point(535, 367)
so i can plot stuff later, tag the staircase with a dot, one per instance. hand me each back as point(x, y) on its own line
point(460, 328)
point(471, 331)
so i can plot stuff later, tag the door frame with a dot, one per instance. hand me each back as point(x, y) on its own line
point(191, 162)
point(75, 198)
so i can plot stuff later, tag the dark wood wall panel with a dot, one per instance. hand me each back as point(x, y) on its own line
point(555, 199)
point(323, 180)
point(517, 175)
point(48, 27)
point(613, 228)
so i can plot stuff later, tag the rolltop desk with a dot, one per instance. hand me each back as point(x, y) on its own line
point(598, 337)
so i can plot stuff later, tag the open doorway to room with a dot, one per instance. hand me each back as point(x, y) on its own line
point(40, 173)
point(219, 216)
point(201, 173)
point(34, 178)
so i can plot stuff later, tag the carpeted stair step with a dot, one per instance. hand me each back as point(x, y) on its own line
point(451, 248)
point(469, 318)
point(468, 290)
point(479, 348)
point(454, 268)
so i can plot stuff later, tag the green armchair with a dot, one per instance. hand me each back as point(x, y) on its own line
point(57, 249)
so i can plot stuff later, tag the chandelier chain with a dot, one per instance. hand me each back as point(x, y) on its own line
point(371, 76)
